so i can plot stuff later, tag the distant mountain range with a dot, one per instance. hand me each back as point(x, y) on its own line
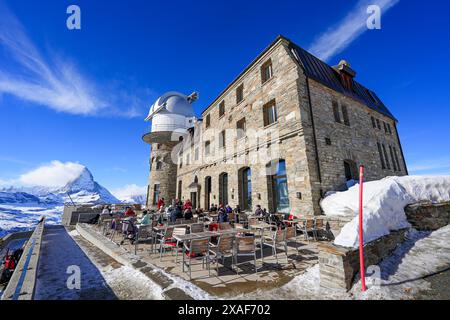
point(81, 190)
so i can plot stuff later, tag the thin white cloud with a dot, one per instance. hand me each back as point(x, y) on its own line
point(430, 166)
point(55, 83)
point(54, 174)
point(340, 36)
point(129, 191)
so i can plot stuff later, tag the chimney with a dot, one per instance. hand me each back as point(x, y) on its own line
point(346, 74)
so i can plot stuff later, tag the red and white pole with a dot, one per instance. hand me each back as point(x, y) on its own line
point(361, 229)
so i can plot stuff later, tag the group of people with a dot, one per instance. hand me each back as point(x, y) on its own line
point(178, 210)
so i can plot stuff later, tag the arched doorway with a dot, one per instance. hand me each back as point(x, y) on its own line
point(223, 188)
point(207, 193)
point(245, 188)
point(278, 187)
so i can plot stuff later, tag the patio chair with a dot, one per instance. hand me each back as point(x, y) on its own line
point(165, 240)
point(177, 231)
point(320, 227)
point(144, 233)
point(243, 218)
point(194, 250)
point(223, 249)
point(197, 228)
point(116, 227)
point(291, 235)
point(245, 247)
point(275, 240)
point(308, 226)
point(225, 226)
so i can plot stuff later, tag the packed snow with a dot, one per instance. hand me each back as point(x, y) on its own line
point(384, 203)
point(403, 275)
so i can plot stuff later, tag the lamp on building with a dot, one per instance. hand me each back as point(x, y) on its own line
point(299, 195)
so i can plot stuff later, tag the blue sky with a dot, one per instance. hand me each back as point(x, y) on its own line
point(81, 95)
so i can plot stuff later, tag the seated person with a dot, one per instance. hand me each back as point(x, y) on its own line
point(223, 215)
point(259, 212)
point(188, 214)
point(145, 221)
point(228, 209)
point(129, 212)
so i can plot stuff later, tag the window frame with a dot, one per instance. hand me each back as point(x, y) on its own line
point(221, 108)
point(268, 65)
point(240, 93)
point(272, 106)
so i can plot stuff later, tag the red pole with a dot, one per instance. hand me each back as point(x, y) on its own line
point(361, 235)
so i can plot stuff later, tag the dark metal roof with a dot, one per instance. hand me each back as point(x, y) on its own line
point(319, 71)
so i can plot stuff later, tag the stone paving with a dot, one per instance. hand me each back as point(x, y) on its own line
point(301, 256)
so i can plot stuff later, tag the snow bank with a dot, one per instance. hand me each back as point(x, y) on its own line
point(384, 203)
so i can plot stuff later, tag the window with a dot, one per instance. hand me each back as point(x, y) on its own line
point(389, 128)
point(180, 186)
point(240, 93)
point(158, 146)
point(155, 194)
point(388, 165)
point(270, 113)
point(159, 165)
point(241, 125)
point(385, 127)
point(278, 180)
point(394, 164)
point(345, 115)
point(266, 71)
point(336, 114)
point(223, 188)
point(208, 121)
point(188, 159)
point(351, 170)
point(328, 141)
point(396, 159)
point(383, 165)
point(222, 139)
point(378, 124)
point(196, 154)
point(373, 122)
point(207, 147)
point(221, 108)
point(181, 162)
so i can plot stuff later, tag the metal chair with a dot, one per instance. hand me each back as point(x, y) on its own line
point(223, 249)
point(196, 249)
point(178, 232)
point(245, 247)
point(277, 239)
point(144, 233)
point(308, 226)
point(225, 226)
point(165, 240)
point(197, 228)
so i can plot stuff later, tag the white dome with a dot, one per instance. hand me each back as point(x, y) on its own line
point(172, 103)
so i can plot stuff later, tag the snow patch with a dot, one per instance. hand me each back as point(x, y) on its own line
point(384, 203)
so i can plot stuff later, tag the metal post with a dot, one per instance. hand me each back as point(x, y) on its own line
point(361, 229)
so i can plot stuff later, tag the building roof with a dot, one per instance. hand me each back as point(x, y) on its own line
point(323, 73)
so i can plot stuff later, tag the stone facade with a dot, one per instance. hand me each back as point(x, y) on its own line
point(298, 137)
point(163, 174)
point(428, 216)
point(339, 266)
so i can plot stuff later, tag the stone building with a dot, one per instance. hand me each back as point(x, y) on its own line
point(287, 130)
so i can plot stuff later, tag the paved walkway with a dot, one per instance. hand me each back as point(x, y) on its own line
point(102, 278)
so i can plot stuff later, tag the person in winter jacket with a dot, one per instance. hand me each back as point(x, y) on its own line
point(130, 213)
point(160, 203)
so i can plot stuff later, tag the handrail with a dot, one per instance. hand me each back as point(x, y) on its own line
point(23, 281)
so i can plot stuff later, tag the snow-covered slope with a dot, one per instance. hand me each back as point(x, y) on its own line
point(21, 207)
point(135, 199)
point(82, 190)
point(384, 203)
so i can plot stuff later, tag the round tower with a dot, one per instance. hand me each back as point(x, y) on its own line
point(171, 115)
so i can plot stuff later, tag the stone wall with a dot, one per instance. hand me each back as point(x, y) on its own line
point(339, 265)
point(165, 176)
point(428, 216)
